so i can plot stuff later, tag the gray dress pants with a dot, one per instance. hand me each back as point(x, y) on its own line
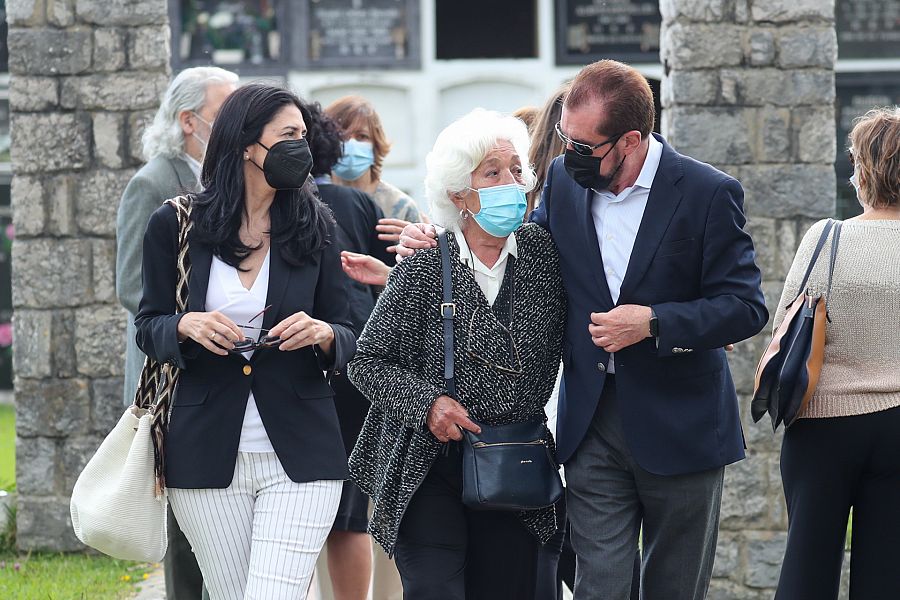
point(610, 498)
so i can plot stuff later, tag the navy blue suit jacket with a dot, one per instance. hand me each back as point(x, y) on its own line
point(693, 263)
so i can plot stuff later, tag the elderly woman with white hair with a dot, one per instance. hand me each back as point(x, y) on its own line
point(508, 324)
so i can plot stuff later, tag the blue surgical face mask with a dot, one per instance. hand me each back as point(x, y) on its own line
point(358, 157)
point(502, 208)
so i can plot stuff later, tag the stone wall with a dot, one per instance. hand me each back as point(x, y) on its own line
point(749, 87)
point(85, 76)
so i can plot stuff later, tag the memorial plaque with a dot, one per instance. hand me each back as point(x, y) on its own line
point(588, 30)
point(359, 34)
point(856, 94)
point(868, 28)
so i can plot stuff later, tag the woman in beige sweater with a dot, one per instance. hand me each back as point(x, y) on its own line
point(844, 451)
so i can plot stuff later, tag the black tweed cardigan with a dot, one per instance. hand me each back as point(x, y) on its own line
point(399, 367)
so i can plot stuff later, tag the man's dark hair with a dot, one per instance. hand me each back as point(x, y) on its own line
point(299, 221)
point(624, 93)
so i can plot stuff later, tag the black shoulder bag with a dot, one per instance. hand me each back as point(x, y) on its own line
point(505, 467)
point(789, 369)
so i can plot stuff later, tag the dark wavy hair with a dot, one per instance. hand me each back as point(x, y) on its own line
point(324, 137)
point(299, 221)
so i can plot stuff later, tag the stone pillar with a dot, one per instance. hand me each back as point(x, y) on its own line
point(85, 76)
point(749, 88)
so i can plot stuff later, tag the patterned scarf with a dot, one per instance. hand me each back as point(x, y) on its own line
point(158, 381)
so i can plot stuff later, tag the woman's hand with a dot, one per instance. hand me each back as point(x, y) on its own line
point(300, 330)
point(212, 330)
point(389, 230)
point(364, 268)
point(416, 236)
point(446, 416)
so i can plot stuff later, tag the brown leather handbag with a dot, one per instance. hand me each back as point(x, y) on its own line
point(789, 369)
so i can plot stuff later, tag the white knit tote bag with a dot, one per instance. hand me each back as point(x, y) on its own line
point(114, 504)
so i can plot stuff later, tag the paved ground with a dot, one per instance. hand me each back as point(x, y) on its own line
point(153, 588)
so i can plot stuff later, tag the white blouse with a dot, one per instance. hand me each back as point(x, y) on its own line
point(489, 279)
point(228, 295)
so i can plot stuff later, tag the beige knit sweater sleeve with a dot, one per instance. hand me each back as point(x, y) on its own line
point(861, 370)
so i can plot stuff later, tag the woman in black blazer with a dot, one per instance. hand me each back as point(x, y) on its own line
point(253, 453)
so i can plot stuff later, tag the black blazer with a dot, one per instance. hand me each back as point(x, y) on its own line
point(357, 215)
point(291, 391)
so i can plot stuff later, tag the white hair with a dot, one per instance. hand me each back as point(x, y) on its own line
point(163, 137)
point(458, 151)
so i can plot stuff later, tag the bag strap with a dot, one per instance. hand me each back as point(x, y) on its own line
point(157, 381)
point(448, 312)
point(812, 261)
point(835, 238)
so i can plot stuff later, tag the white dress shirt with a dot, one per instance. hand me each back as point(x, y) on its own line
point(489, 279)
point(228, 295)
point(617, 218)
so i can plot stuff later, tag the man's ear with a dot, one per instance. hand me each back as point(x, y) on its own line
point(184, 119)
point(633, 140)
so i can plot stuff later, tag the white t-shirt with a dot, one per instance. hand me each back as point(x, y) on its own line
point(228, 295)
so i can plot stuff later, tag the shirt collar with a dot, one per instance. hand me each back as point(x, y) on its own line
point(193, 163)
point(651, 164)
point(510, 248)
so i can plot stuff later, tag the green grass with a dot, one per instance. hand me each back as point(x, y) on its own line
point(7, 447)
point(68, 577)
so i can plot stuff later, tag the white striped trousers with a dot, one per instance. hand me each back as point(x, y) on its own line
point(257, 539)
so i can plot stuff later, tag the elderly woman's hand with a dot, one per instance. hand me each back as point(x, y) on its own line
point(389, 230)
point(364, 268)
point(445, 418)
point(212, 330)
point(300, 330)
point(416, 236)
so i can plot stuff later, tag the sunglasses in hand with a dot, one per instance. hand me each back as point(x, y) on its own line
point(247, 344)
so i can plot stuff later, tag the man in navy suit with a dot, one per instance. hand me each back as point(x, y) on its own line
point(660, 277)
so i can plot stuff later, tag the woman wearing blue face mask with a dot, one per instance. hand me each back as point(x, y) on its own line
point(365, 148)
point(508, 315)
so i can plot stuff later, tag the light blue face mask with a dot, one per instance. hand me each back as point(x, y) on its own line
point(502, 208)
point(358, 157)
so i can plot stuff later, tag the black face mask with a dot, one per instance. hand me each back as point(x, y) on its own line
point(287, 164)
point(585, 170)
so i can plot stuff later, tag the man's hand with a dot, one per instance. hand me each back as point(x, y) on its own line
point(621, 327)
point(446, 416)
point(416, 236)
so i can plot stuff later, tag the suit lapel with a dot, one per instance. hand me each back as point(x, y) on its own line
point(594, 256)
point(279, 275)
point(661, 205)
point(201, 261)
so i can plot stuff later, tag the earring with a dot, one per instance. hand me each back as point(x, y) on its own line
point(463, 214)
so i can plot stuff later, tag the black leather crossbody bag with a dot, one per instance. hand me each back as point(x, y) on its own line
point(505, 467)
point(789, 369)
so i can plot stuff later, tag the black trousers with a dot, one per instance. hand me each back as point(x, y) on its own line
point(446, 551)
point(827, 467)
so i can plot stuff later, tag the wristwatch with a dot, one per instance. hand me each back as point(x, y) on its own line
point(654, 323)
